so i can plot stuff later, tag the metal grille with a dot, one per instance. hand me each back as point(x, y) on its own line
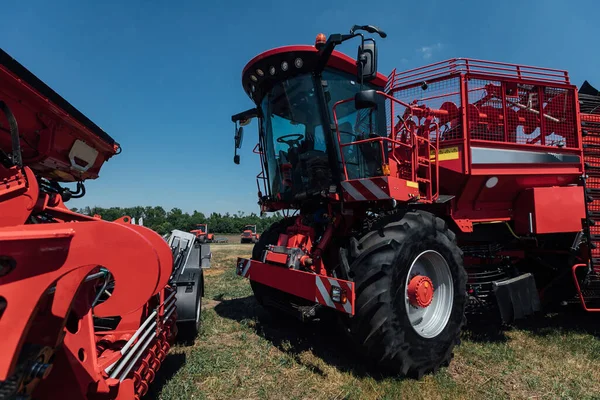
point(505, 102)
point(534, 115)
point(439, 95)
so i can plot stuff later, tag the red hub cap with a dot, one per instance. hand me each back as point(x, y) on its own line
point(420, 291)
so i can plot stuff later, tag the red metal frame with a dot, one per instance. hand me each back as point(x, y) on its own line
point(55, 264)
point(453, 113)
point(578, 288)
point(309, 286)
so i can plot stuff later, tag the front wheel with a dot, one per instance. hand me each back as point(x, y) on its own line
point(410, 293)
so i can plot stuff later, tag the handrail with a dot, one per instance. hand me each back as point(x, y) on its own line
point(492, 69)
point(395, 143)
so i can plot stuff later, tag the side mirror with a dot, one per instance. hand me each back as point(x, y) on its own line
point(239, 137)
point(365, 99)
point(367, 60)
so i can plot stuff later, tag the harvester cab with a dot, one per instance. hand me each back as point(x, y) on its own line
point(423, 197)
point(295, 89)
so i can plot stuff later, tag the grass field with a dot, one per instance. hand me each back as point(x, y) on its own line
point(244, 353)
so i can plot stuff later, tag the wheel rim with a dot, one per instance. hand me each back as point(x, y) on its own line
point(429, 294)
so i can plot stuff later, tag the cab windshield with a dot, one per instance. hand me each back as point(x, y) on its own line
point(251, 228)
point(294, 140)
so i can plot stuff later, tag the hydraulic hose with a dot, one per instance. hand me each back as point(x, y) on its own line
point(14, 134)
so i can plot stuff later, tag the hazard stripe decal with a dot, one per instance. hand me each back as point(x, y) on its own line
point(303, 284)
point(366, 189)
point(324, 292)
point(347, 306)
point(373, 188)
point(355, 194)
point(246, 271)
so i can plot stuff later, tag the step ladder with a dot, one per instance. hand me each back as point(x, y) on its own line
point(590, 125)
point(589, 288)
point(426, 168)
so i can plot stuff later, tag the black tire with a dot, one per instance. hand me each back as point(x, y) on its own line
point(187, 331)
point(270, 236)
point(379, 263)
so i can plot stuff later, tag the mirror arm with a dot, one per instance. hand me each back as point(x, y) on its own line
point(327, 50)
point(251, 113)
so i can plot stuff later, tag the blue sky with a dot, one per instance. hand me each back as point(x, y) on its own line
point(163, 78)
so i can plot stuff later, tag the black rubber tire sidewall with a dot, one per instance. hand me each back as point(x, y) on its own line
point(394, 345)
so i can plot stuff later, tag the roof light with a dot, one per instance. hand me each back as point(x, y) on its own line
point(260, 72)
point(284, 66)
point(272, 70)
point(254, 78)
point(298, 62)
point(320, 41)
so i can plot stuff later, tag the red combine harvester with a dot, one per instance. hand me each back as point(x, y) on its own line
point(87, 307)
point(249, 234)
point(449, 190)
point(202, 234)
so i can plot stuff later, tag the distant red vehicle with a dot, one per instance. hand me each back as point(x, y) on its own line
point(249, 234)
point(202, 234)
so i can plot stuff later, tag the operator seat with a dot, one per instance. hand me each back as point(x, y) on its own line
point(311, 166)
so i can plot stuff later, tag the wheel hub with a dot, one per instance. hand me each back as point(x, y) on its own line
point(420, 291)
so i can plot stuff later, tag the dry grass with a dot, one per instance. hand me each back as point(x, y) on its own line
point(244, 353)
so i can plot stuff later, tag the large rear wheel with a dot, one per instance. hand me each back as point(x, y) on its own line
point(410, 293)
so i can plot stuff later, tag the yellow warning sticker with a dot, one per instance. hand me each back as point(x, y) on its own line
point(412, 184)
point(449, 153)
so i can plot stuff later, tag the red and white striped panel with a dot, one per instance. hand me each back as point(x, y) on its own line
point(324, 285)
point(366, 189)
point(303, 284)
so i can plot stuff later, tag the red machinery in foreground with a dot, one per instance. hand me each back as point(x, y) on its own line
point(443, 191)
point(86, 309)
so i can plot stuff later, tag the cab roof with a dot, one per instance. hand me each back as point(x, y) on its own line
point(275, 65)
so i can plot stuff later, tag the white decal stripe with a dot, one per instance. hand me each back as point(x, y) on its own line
point(246, 268)
point(324, 293)
point(373, 188)
point(347, 306)
point(355, 194)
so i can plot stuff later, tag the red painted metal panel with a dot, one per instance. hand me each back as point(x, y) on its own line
point(306, 285)
point(337, 60)
point(552, 209)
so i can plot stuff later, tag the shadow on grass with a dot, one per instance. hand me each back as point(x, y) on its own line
point(173, 363)
point(328, 342)
point(571, 319)
point(325, 338)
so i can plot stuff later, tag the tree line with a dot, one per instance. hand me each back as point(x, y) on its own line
point(162, 221)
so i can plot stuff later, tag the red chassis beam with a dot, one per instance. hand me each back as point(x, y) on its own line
point(309, 286)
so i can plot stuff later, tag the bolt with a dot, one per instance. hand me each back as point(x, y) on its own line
point(40, 370)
